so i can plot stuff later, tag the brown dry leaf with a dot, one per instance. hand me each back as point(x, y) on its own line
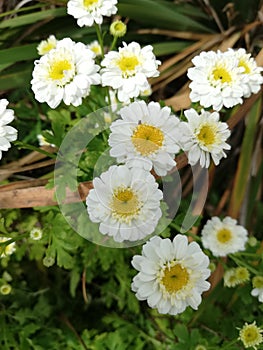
point(26, 194)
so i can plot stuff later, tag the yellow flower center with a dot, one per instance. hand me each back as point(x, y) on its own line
point(174, 278)
point(243, 63)
point(125, 204)
point(59, 69)
point(147, 139)
point(221, 74)
point(224, 235)
point(257, 282)
point(127, 65)
point(88, 3)
point(207, 135)
point(46, 47)
point(242, 274)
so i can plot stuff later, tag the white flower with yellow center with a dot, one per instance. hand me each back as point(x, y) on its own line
point(6, 250)
point(36, 233)
point(223, 237)
point(172, 274)
point(251, 335)
point(128, 69)
point(126, 203)
point(203, 137)
point(252, 78)
point(7, 133)
point(216, 80)
point(89, 11)
point(95, 47)
point(257, 290)
point(65, 73)
point(146, 136)
point(46, 45)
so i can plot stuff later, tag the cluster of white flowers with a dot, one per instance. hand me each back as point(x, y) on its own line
point(125, 200)
point(223, 79)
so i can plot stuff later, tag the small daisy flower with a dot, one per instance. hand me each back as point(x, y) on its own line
point(236, 276)
point(251, 335)
point(223, 237)
point(9, 249)
point(46, 45)
point(95, 47)
point(5, 289)
point(118, 29)
point(36, 234)
point(7, 133)
point(88, 12)
point(146, 136)
point(230, 279)
point(216, 80)
point(257, 290)
point(203, 137)
point(252, 77)
point(126, 203)
point(65, 74)
point(128, 69)
point(172, 274)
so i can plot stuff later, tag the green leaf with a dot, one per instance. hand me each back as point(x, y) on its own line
point(32, 17)
point(160, 13)
point(16, 54)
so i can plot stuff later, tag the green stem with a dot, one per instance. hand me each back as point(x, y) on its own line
point(242, 263)
point(100, 38)
point(229, 344)
point(114, 41)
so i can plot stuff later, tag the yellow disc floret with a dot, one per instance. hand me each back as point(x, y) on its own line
point(125, 204)
point(207, 135)
point(59, 69)
point(147, 139)
point(224, 235)
point(88, 3)
point(174, 278)
point(127, 65)
point(220, 73)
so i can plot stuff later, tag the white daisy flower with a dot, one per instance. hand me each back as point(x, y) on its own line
point(65, 73)
point(95, 47)
point(172, 274)
point(89, 11)
point(252, 77)
point(203, 137)
point(36, 234)
point(146, 136)
point(126, 203)
point(128, 69)
point(9, 249)
point(223, 237)
point(216, 80)
point(46, 45)
point(257, 290)
point(7, 133)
